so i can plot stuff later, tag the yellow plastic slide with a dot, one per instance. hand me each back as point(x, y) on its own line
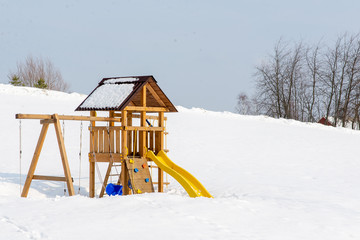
point(192, 186)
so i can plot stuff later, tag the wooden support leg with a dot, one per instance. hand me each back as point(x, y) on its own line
point(106, 179)
point(92, 180)
point(93, 148)
point(35, 159)
point(64, 158)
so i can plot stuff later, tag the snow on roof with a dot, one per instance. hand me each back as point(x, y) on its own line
point(120, 80)
point(110, 94)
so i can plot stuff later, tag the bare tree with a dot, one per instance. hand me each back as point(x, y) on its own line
point(33, 70)
point(244, 105)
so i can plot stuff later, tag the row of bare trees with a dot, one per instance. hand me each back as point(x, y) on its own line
point(306, 83)
point(37, 72)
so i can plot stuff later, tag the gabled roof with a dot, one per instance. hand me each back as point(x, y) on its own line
point(119, 92)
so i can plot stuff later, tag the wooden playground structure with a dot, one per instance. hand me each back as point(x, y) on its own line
point(135, 132)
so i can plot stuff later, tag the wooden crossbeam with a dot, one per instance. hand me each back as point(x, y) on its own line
point(50, 178)
point(66, 117)
point(147, 109)
point(136, 115)
point(130, 128)
point(105, 157)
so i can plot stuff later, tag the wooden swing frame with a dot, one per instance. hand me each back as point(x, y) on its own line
point(46, 120)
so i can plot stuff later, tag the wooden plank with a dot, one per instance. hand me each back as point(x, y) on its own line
point(136, 115)
point(105, 157)
point(96, 140)
point(142, 134)
point(158, 129)
point(105, 128)
point(159, 145)
point(130, 133)
point(147, 109)
point(165, 183)
point(112, 141)
point(151, 139)
point(124, 151)
point(111, 115)
point(106, 141)
point(46, 121)
point(118, 140)
point(51, 178)
point(101, 140)
point(35, 159)
point(64, 158)
point(66, 117)
point(155, 95)
point(106, 179)
point(92, 164)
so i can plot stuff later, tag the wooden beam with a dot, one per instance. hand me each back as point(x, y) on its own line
point(66, 117)
point(156, 129)
point(124, 151)
point(35, 159)
point(129, 135)
point(50, 178)
point(142, 133)
point(147, 109)
point(105, 157)
point(111, 115)
point(131, 128)
point(64, 158)
point(106, 179)
point(154, 94)
point(136, 115)
point(46, 121)
point(92, 164)
point(159, 145)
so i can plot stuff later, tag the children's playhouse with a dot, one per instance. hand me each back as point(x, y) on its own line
point(132, 139)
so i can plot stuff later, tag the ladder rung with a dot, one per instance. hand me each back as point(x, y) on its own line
point(165, 183)
point(166, 150)
point(113, 175)
point(116, 165)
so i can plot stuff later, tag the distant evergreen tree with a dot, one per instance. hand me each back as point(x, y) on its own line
point(15, 81)
point(41, 84)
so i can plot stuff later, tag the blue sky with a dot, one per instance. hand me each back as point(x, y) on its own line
point(202, 53)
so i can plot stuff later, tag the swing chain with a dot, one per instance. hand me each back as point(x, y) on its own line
point(20, 152)
point(80, 151)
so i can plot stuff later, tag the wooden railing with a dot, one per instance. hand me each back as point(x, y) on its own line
point(106, 140)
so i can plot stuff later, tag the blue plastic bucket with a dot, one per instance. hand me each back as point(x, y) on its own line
point(113, 189)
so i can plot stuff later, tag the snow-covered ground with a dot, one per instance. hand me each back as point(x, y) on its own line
point(270, 178)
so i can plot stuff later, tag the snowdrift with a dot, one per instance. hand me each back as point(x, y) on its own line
point(270, 179)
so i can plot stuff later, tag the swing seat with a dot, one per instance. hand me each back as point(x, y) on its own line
point(113, 189)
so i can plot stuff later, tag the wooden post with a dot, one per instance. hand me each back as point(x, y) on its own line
point(92, 163)
point(124, 151)
point(159, 145)
point(64, 158)
point(142, 134)
point(129, 133)
point(35, 159)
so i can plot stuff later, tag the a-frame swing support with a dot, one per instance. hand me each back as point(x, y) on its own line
point(35, 159)
point(46, 120)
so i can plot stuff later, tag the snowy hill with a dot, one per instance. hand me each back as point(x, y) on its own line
point(270, 178)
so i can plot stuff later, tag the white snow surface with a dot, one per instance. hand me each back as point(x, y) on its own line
point(270, 178)
point(121, 80)
point(108, 95)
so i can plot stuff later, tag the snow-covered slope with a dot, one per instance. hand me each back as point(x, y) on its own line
point(270, 178)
